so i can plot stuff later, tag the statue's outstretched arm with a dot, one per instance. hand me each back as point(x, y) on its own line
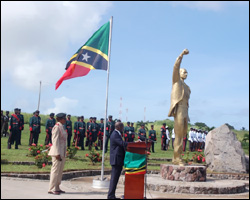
point(176, 71)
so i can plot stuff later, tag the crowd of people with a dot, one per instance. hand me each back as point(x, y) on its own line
point(91, 134)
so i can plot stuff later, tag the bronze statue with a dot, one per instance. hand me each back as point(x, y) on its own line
point(179, 107)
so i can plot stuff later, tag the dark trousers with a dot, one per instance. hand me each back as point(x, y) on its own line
point(13, 138)
point(33, 138)
point(69, 139)
point(173, 142)
point(163, 143)
point(19, 138)
point(115, 175)
point(190, 146)
point(48, 138)
point(184, 144)
point(153, 146)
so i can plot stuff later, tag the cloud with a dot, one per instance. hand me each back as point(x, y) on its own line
point(38, 37)
point(63, 104)
point(205, 5)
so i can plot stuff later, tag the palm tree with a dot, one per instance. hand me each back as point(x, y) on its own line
point(139, 123)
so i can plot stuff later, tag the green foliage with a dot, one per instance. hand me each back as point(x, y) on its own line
point(37, 149)
point(42, 159)
point(71, 151)
point(246, 138)
point(139, 123)
point(94, 156)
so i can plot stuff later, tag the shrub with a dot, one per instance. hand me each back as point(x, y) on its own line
point(42, 159)
point(71, 151)
point(37, 149)
point(94, 156)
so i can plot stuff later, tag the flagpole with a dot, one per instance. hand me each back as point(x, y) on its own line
point(106, 107)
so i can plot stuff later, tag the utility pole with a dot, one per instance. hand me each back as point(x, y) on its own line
point(39, 95)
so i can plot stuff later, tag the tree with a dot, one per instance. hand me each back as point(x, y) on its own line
point(201, 125)
point(139, 123)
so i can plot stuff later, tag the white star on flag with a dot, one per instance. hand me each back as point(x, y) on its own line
point(85, 56)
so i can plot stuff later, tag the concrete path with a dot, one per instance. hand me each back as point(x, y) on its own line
point(81, 188)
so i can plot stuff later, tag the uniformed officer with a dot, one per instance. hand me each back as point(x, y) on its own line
point(35, 128)
point(81, 133)
point(14, 130)
point(142, 133)
point(126, 132)
point(199, 139)
point(21, 124)
point(6, 123)
point(195, 138)
point(110, 127)
point(131, 136)
point(93, 131)
point(184, 142)
point(68, 128)
point(50, 123)
point(190, 139)
point(100, 134)
point(168, 138)
point(88, 127)
point(75, 131)
point(173, 138)
point(2, 122)
point(163, 137)
point(152, 137)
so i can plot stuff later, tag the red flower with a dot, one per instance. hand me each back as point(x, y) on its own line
point(29, 149)
point(148, 153)
point(38, 151)
point(34, 144)
point(182, 154)
point(50, 144)
point(44, 164)
point(41, 145)
point(190, 163)
point(97, 154)
point(87, 155)
point(203, 159)
point(198, 157)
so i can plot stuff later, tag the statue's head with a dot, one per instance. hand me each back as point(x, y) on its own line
point(183, 73)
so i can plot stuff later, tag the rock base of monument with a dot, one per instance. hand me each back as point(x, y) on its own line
point(189, 173)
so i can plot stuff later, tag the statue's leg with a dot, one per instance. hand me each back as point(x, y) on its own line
point(180, 128)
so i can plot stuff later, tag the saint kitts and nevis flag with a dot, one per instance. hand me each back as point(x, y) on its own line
point(92, 55)
point(134, 163)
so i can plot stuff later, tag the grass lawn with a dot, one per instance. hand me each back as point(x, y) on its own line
point(79, 162)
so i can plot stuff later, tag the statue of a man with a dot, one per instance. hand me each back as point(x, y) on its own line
point(179, 107)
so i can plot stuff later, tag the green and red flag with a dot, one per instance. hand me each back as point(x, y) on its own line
point(92, 55)
point(134, 163)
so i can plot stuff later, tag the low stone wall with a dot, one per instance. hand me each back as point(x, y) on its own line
point(183, 173)
point(66, 175)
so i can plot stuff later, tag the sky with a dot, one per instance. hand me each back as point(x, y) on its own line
point(39, 38)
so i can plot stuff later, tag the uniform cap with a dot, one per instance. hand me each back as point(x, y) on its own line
point(128, 122)
point(51, 114)
point(110, 116)
point(94, 117)
point(61, 115)
point(16, 109)
point(37, 111)
point(102, 119)
point(69, 115)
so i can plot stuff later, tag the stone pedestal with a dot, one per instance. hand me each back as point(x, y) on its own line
point(183, 173)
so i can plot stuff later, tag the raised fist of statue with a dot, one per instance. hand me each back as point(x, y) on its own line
point(185, 52)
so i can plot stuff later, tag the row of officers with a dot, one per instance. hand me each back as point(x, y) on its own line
point(91, 133)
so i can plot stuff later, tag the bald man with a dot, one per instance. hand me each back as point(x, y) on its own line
point(117, 154)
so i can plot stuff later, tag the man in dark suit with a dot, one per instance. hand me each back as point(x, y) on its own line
point(117, 154)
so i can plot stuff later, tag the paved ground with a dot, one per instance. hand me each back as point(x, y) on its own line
point(81, 188)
